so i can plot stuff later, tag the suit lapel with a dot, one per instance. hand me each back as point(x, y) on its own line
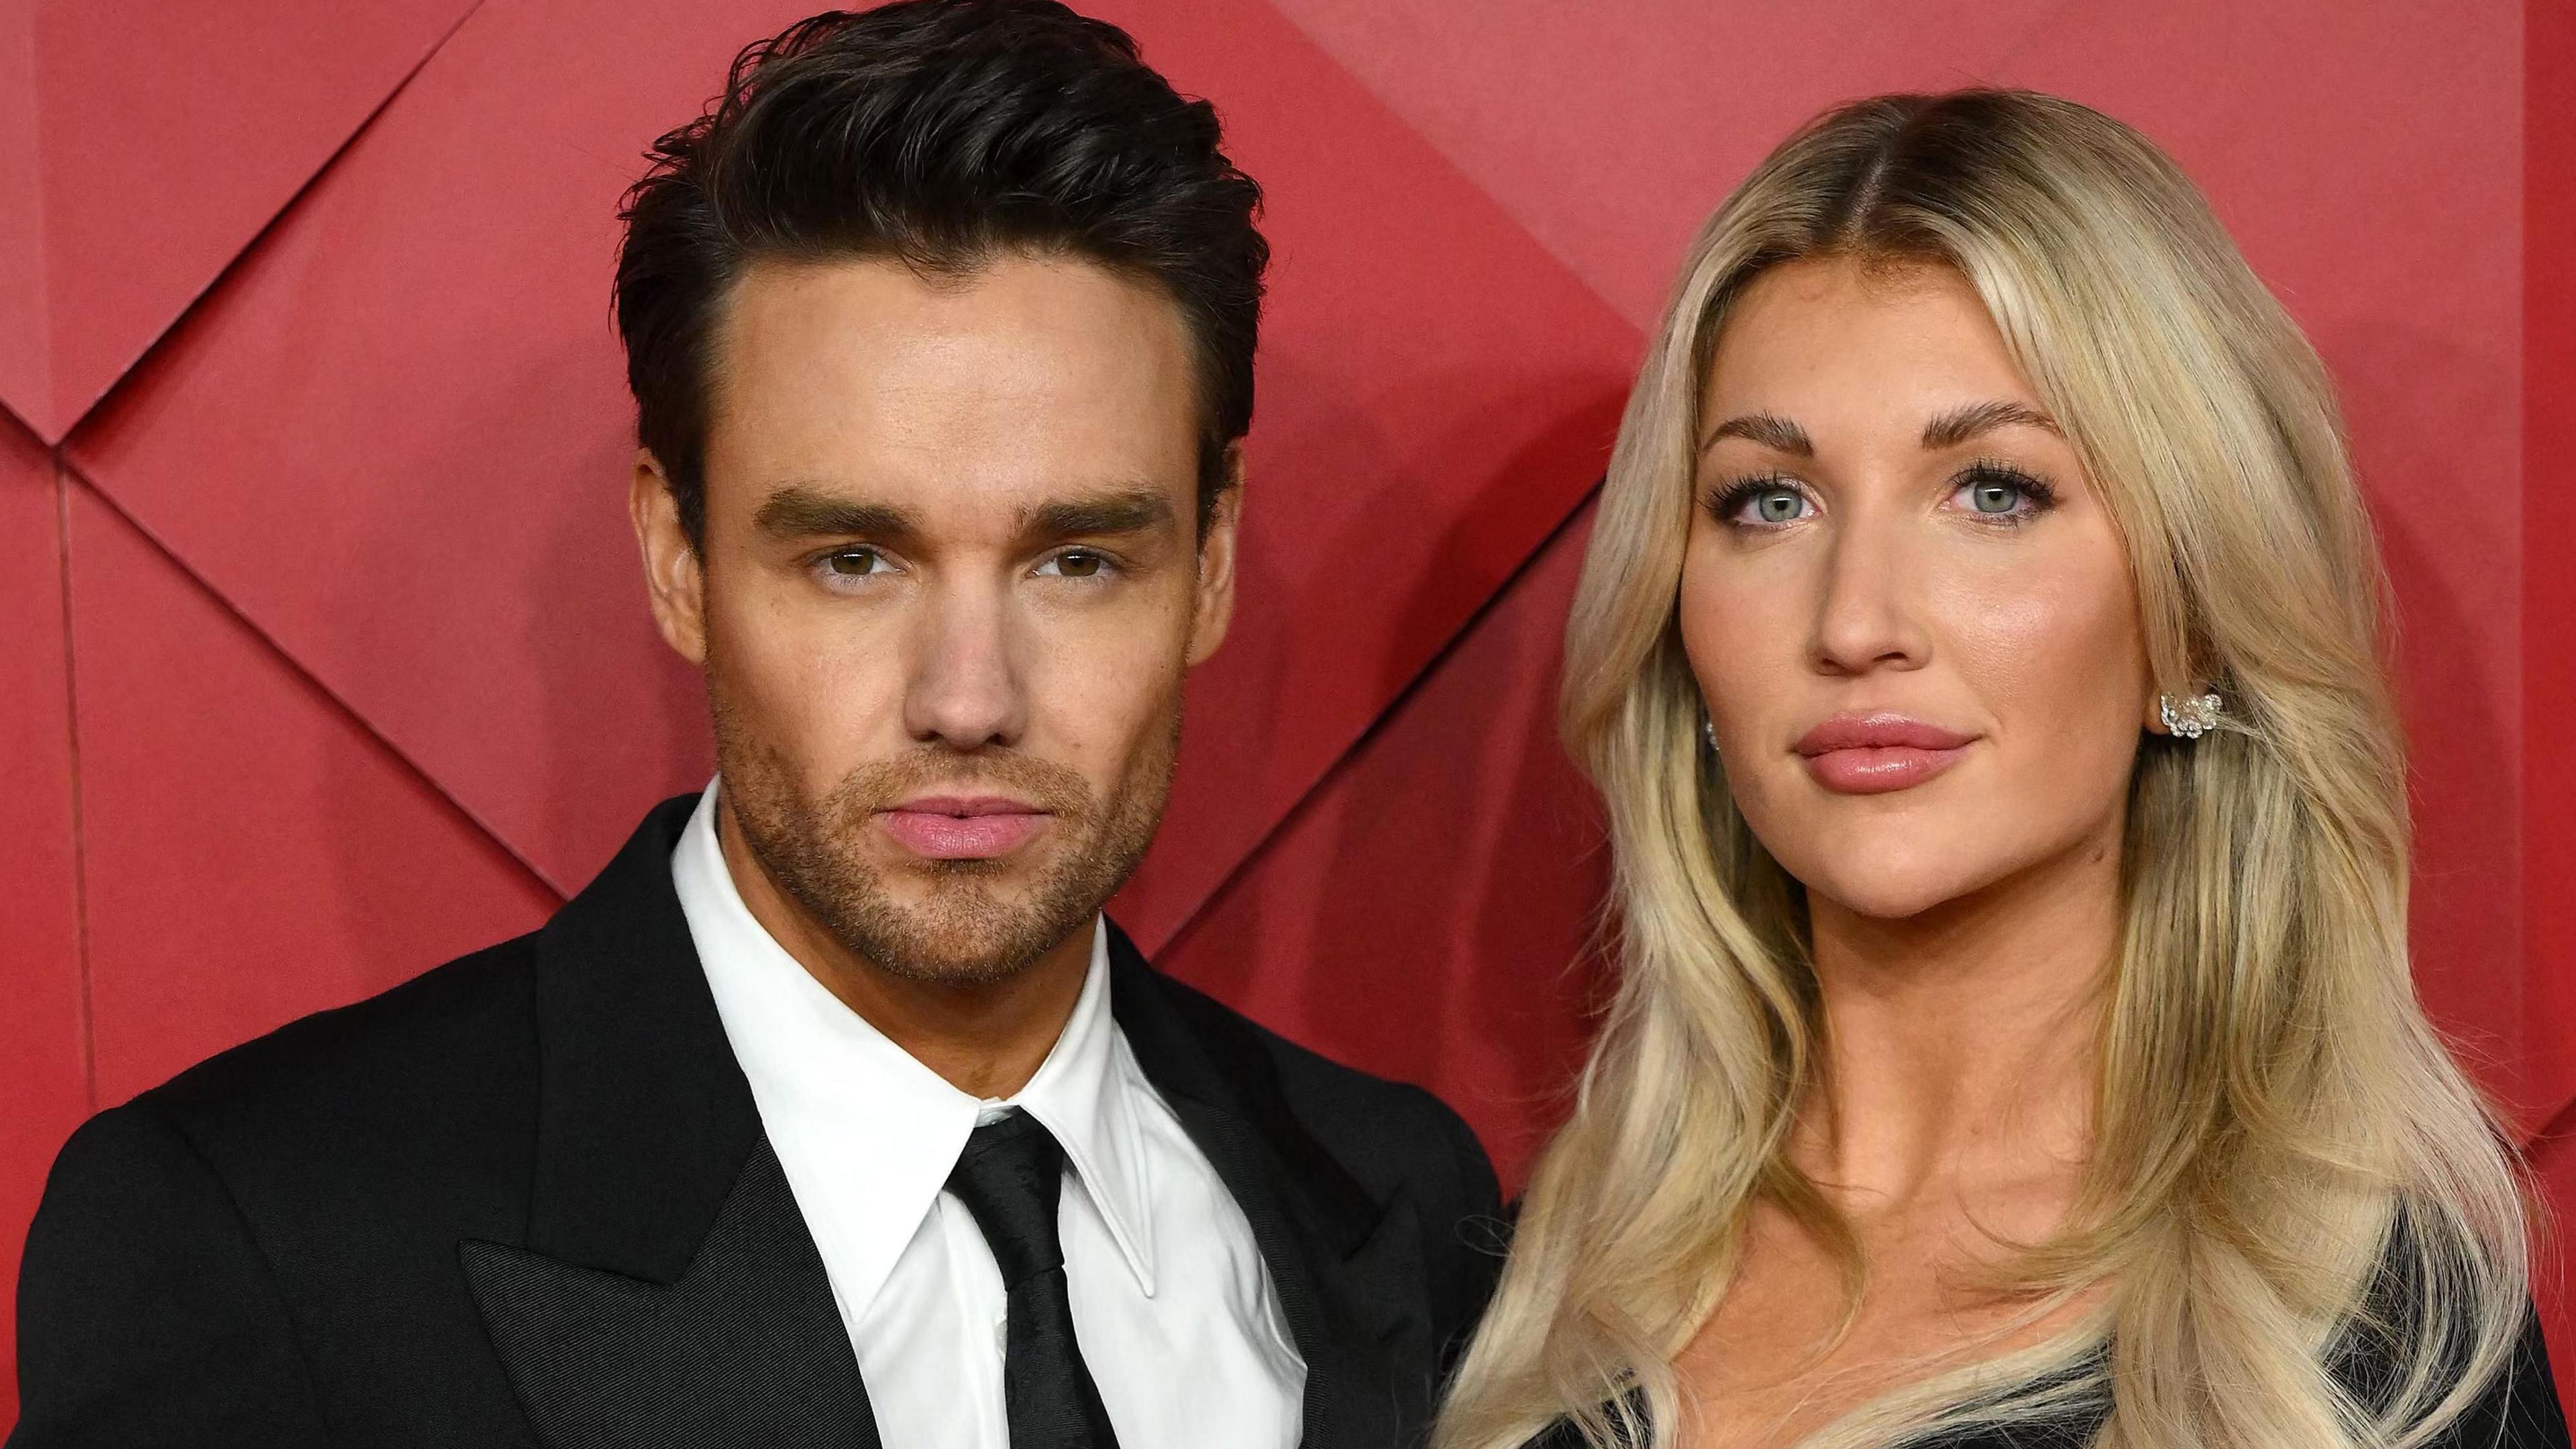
point(667, 1289)
point(644, 1119)
point(1347, 1268)
point(728, 1354)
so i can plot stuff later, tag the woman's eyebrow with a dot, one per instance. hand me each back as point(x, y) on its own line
point(1770, 430)
point(1960, 424)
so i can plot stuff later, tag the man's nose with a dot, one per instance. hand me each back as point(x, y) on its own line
point(962, 688)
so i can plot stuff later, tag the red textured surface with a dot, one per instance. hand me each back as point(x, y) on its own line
point(363, 675)
point(253, 854)
point(26, 364)
point(1427, 909)
point(147, 142)
point(44, 1075)
point(2548, 978)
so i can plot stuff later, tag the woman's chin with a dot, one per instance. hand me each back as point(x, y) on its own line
point(1896, 890)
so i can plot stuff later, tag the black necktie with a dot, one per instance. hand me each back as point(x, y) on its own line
point(1010, 1177)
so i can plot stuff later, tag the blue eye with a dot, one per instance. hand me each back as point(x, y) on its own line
point(1990, 496)
point(2002, 493)
point(1763, 503)
point(1779, 505)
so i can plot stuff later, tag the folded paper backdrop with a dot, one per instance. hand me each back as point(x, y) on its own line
point(323, 655)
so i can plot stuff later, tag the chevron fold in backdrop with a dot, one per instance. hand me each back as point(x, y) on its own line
point(323, 655)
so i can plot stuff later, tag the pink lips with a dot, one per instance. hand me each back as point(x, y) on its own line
point(943, 827)
point(1871, 754)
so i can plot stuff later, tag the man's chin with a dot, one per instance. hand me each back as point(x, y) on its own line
point(950, 960)
point(964, 935)
point(929, 894)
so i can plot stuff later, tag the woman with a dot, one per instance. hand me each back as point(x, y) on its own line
point(2015, 1042)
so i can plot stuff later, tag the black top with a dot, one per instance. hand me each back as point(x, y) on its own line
point(525, 1200)
point(2520, 1410)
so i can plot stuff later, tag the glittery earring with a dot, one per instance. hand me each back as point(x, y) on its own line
point(1708, 727)
point(2189, 716)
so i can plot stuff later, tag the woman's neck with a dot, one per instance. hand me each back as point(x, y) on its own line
point(1960, 1044)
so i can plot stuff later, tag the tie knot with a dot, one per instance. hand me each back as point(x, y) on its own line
point(1010, 1177)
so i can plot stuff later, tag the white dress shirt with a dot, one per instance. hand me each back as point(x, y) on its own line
point(1174, 1311)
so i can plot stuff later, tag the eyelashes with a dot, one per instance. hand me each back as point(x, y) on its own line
point(1995, 474)
point(1993, 492)
point(1727, 500)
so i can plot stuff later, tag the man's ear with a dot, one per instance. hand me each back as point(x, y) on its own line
point(1214, 609)
point(673, 573)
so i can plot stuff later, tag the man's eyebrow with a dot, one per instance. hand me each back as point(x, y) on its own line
point(1127, 510)
point(1770, 430)
point(797, 511)
point(1962, 423)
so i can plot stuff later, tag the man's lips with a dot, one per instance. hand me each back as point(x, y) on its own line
point(1871, 754)
point(960, 827)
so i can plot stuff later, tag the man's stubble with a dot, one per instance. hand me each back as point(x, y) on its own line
point(964, 931)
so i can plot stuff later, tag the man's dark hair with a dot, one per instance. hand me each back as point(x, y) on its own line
point(942, 133)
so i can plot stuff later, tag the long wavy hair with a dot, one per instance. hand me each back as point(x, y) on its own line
point(2290, 1176)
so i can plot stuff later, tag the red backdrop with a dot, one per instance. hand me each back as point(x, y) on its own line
point(323, 655)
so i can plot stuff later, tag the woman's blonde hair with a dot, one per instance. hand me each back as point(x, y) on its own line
point(2301, 1220)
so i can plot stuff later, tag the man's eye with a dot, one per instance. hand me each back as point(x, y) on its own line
point(855, 563)
point(1074, 563)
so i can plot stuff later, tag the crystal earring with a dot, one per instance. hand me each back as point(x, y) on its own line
point(1708, 727)
point(2189, 717)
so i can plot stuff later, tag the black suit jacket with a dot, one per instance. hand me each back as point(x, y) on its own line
point(525, 1200)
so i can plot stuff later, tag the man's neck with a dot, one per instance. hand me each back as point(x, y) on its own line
point(986, 1038)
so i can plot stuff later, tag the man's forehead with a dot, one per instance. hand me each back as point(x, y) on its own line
point(855, 387)
point(877, 317)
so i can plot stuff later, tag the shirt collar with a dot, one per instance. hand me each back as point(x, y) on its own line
point(1086, 1094)
point(866, 1133)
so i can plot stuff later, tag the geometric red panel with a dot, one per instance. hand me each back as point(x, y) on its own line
point(43, 1076)
point(2549, 522)
point(143, 143)
point(1438, 393)
point(254, 854)
point(1427, 910)
point(2549, 615)
point(1611, 133)
point(26, 370)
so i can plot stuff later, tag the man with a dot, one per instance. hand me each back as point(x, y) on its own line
point(833, 1112)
